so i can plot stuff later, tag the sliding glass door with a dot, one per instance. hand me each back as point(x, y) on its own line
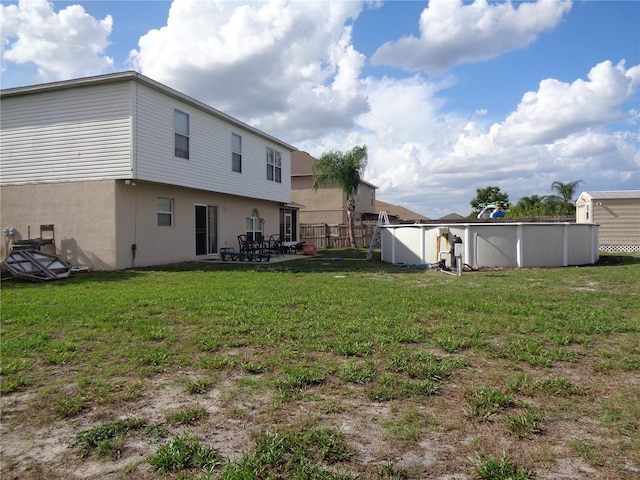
point(206, 229)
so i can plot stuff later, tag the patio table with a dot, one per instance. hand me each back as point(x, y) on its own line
point(291, 246)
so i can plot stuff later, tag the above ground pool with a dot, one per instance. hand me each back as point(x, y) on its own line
point(493, 244)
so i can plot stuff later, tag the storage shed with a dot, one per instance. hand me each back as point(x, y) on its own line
point(617, 213)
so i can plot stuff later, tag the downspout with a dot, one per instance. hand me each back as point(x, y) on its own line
point(134, 153)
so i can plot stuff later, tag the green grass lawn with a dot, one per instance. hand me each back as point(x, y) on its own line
point(325, 367)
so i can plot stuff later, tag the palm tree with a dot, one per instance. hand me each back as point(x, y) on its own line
point(565, 191)
point(344, 170)
point(529, 202)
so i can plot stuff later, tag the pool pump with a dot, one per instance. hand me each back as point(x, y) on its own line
point(455, 253)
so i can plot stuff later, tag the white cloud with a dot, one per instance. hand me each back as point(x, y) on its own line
point(313, 107)
point(558, 109)
point(274, 64)
point(433, 163)
point(62, 45)
point(611, 156)
point(439, 177)
point(290, 68)
point(452, 33)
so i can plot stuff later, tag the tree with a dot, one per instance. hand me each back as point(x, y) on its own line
point(531, 202)
point(488, 195)
point(343, 170)
point(558, 203)
point(529, 207)
point(565, 191)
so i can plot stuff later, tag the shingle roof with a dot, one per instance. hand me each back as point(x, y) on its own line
point(398, 211)
point(301, 163)
point(452, 216)
point(614, 194)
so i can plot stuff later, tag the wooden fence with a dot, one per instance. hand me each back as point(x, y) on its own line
point(336, 236)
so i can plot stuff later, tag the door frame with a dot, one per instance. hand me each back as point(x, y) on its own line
point(207, 230)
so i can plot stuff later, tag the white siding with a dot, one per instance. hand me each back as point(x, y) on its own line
point(619, 220)
point(209, 164)
point(76, 134)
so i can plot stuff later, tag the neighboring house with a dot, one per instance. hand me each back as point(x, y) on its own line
point(453, 216)
point(617, 213)
point(399, 214)
point(131, 173)
point(327, 204)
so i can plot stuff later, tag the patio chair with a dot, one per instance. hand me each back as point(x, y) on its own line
point(244, 244)
point(274, 246)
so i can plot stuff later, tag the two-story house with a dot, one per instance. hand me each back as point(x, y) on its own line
point(131, 173)
point(326, 204)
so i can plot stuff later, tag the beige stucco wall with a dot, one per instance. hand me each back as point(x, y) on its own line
point(82, 213)
point(327, 204)
point(96, 223)
point(158, 245)
point(367, 200)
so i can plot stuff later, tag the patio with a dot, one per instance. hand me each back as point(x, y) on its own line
point(273, 259)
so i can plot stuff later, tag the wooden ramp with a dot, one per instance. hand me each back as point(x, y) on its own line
point(36, 266)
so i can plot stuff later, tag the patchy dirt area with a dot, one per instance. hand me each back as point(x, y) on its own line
point(429, 384)
point(445, 446)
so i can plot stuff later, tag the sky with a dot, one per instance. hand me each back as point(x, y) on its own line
point(448, 96)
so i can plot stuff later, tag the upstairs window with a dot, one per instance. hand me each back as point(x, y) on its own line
point(236, 153)
point(274, 165)
point(165, 212)
point(181, 121)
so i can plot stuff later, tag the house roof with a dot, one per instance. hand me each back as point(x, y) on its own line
point(452, 216)
point(402, 213)
point(137, 77)
point(612, 194)
point(302, 165)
